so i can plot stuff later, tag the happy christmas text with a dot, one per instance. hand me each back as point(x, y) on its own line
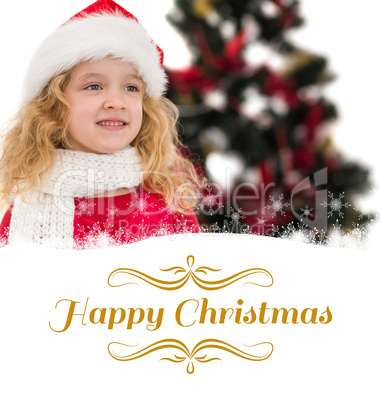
point(188, 313)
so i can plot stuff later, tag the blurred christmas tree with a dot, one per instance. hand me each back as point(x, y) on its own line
point(252, 107)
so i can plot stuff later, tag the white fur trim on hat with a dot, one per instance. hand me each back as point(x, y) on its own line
point(93, 38)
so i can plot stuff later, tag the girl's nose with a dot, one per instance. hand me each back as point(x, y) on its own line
point(115, 101)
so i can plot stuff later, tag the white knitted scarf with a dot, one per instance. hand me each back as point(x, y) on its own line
point(48, 218)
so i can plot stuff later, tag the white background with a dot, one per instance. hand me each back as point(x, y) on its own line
point(338, 361)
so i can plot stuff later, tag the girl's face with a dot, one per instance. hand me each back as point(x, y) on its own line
point(105, 99)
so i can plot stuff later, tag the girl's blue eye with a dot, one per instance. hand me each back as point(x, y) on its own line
point(131, 88)
point(93, 87)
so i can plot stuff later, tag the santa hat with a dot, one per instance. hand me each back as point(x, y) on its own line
point(102, 29)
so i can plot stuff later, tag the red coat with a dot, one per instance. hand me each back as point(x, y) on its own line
point(120, 220)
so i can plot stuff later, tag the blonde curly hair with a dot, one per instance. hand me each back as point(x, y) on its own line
point(30, 143)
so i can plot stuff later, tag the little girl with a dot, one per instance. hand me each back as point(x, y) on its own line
point(93, 157)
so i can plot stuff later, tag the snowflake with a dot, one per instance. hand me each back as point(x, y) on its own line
point(142, 205)
point(245, 229)
point(354, 238)
point(214, 228)
point(112, 212)
point(336, 226)
point(277, 205)
point(85, 207)
point(261, 221)
point(236, 215)
point(210, 203)
point(261, 226)
point(234, 224)
point(359, 234)
point(307, 212)
point(163, 231)
point(99, 238)
point(4, 237)
point(3, 241)
point(300, 233)
point(362, 215)
point(335, 204)
point(181, 227)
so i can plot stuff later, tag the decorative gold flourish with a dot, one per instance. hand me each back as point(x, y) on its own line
point(116, 277)
point(267, 349)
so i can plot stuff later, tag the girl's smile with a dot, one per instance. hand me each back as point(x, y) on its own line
point(112, 124)
point(105, 99)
